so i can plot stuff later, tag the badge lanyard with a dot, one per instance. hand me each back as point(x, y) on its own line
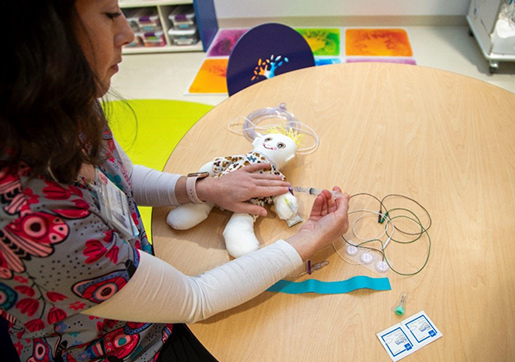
point(114, 206)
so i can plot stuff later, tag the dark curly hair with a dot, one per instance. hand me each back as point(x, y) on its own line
point(50, 117)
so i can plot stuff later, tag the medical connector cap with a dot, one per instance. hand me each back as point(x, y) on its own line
point(296, 219)
point(399, 310)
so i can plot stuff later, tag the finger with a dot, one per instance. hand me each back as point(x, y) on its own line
point(266, 177)
point(337, 200)
point(271, 182)
point(252, 209)
point(256, 167)
point(327, 202)
point(338, 190)
point(265, 192)
point(342, 203)
point(346, 200)
point(319, 205)
point(271, 191)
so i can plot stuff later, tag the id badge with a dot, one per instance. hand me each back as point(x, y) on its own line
point(114, 206)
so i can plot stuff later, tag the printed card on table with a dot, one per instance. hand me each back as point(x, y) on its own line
point(408, 336)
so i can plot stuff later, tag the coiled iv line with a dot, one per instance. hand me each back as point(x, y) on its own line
point(385, 215)
point(251, 128)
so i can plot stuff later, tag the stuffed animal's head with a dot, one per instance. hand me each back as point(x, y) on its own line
point(277, 148)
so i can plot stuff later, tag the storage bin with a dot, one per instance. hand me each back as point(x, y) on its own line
point(137, 42)
point(183, 17)
point(183, 36)
point(150, 22)
point(134, 24)
point(154, 39)
point(143, 19)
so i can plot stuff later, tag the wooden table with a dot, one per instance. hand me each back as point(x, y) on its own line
point(446, 140)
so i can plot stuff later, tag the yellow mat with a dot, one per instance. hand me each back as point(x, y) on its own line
point(149, 129)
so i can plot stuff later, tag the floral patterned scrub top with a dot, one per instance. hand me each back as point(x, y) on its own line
point(59, 256)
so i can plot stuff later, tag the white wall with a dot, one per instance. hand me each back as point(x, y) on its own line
point(306, 8)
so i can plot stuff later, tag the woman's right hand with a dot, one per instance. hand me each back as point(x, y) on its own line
point(327, 222)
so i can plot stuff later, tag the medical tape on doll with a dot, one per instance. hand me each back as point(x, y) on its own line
point(338, 287)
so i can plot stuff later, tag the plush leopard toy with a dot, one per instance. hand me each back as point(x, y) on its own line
point(274, 148)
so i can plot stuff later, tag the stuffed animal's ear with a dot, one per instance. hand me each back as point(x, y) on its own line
point(289, 159)
point(257, 140)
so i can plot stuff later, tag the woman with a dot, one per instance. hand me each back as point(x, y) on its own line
point(78, 279)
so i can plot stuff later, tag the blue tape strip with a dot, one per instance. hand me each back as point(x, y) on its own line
point(339, 287)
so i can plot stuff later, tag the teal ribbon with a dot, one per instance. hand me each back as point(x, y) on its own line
point(339, 287)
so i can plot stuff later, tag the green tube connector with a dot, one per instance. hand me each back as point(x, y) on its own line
point(382, 217)
point(399, 310)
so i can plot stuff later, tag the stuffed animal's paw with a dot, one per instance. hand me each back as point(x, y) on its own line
point(239, 235)
point(188, 215)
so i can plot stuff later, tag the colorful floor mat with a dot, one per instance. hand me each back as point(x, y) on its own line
point(211, 77)
point(377, 43)
point(329, 46)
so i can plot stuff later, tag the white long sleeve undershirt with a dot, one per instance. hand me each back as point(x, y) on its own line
point(150, 187)
point(159, 293)
point(153, 188)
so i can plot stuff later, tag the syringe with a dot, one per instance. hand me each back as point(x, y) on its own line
point(314, 191)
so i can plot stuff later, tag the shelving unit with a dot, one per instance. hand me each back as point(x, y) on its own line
point(205, 16)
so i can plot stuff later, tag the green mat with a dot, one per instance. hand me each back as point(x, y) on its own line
point(149, 129)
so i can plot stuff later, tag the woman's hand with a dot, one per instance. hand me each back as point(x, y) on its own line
point(327, 222)
point(233, 190)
